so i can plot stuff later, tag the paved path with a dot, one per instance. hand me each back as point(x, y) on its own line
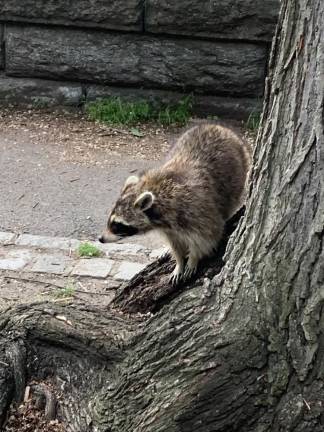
point(60, 174)
point(54, 262)
point(42, 194)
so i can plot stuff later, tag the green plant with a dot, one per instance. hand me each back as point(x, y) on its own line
point(253, 121)
point(67, 291)
point(88, 250)
point(178, 113)
point(114, 110)
point(40, 102)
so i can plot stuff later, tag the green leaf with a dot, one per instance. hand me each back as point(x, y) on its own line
point(136, 132)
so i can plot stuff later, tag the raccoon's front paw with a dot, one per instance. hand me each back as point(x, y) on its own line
point(176, 275)
point(191, 268)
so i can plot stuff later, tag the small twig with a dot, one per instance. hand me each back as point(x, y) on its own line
point(27, 394)
point(5, 364)
point(75, 179)
point(48, 284)
point(9, 298)
point(62, 299)
point(35, 205)
point(49, 397)
point(21, 196)
point(307, 404)
point(32, 281)
point(64, 319)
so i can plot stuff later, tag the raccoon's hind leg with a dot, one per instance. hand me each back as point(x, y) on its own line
point(179, 251)
point(202, 246)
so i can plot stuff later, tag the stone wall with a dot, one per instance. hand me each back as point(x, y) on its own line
point(66, 52)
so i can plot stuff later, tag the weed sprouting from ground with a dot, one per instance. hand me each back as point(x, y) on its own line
point(65, 292)
point(117, 111)
point(176, 114)
point(253, 121)
point(88, 250)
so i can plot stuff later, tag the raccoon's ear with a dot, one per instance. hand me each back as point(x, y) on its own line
point(144, 201)
point(131, 181)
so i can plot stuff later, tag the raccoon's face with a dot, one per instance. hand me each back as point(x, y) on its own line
point(130, 213)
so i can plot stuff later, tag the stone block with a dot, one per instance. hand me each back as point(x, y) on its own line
point(127, 270)
point(232, 108)
point(120, 248)
point(252, 20)
point(38, 92)
point(235, 69)
point(52, 264)
point(15, 260)
point(6, 237)
point(45, 242)
point(112, 14)
point(94, 267)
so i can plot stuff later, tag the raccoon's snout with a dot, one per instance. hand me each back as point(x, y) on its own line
point(108, 237)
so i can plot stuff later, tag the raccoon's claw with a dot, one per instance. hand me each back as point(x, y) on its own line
point(165, 255)
point(174, 279)
point(176, 275)
point(190, 270)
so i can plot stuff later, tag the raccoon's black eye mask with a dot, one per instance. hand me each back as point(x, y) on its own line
point(123, 230)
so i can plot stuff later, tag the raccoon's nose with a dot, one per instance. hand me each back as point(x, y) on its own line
point(101, 239)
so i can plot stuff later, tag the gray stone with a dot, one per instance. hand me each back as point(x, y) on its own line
point(120, 248)
point(226, 107)
point(6, 237)
point(136, 60)
point(253, 20)
point(38, 92)
point(127, 270)
point(94, 267)
point(53, 264)
point(15, 260)
point(112, 14)
point(46, 92)
point(45, 242)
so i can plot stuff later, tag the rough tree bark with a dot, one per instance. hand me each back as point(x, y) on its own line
point(239, 348)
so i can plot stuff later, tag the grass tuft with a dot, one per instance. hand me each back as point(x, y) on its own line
point(116, 111)
point(253, 121)
point(88, 250)
point(67, 291)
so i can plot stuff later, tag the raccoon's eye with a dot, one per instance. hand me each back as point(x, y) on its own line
point(121, 229)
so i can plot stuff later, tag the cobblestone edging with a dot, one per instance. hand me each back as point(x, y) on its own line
point(57, 256)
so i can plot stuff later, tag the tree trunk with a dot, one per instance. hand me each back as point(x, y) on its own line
point(241, 347)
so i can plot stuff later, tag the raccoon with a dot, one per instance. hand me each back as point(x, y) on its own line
point(189, 198)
